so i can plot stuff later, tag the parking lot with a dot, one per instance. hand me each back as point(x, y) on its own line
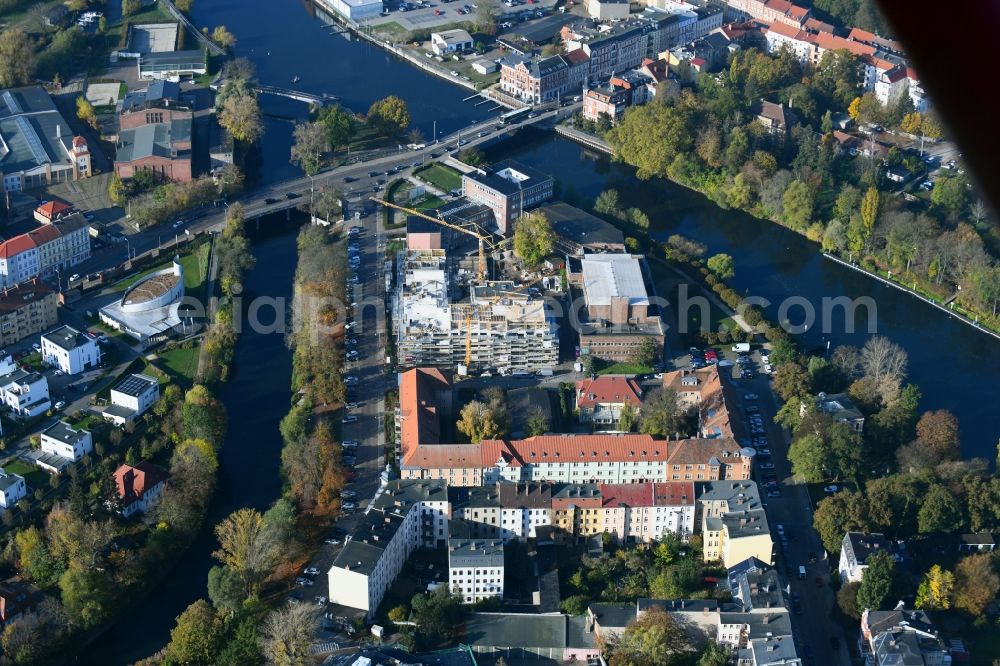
point(412, 15)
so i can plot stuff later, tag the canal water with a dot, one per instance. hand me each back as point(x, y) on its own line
point(256, 398)
point(955, 365)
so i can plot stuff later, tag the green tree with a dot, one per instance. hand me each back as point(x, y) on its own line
point(533, 238)
point(809, 458)
point(876, 582)
point(116, 190)
point(797, 205)
point(203, 415)
point(245, 547)
point(627, 418)
point(869, 210)
point(389, 116)
point(951, 194)
point(722, 265)
point(537, 422)
point(714, 655)
point(847, 600)
point(940, 512)
point(792, 380)
point(661, 414)
point(130, 7)
point(655, 639)
point(608, 203)
point(648, 353)
point(17, 58)
point(651, 136)
point(936, 589)
point(339, 123)
point(844, 512)
point(34, 558)
point(225, 589)
point(86, 595)
point(638, 218)
point(196, 637)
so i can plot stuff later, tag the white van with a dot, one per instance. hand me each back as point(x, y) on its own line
point(802, 572)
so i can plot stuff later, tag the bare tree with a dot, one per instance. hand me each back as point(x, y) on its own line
point(884, 362)
point(311, 141)
point(848, 359)
point(287, 633)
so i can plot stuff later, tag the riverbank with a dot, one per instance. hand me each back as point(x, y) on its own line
point(596, 143)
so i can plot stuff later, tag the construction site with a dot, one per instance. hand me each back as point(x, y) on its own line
point(461, 304)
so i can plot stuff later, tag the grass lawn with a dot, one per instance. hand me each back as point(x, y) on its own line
point(429, 203)
point(181, 363)
point(440, 176)
point(625, 369)
point(33, 476)
point(195, 265)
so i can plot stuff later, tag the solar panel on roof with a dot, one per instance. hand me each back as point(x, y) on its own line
point(132, 385)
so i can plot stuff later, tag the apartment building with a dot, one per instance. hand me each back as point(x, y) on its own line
point(58, 245)
point(733, 522)
point(620, 316)
point(606, 101)
point(39, 146)
point(644, 512)
point(610, 48)
point(25, 310)
point(476, 569)
point(405, 516)
point(495, 328)
point(509, 188)
point(604, 458)
point(63, 440)
point(537, 80)
point(901, 636)
point(777, 11)
point(709, 393)
point(577, 511)
point(70, 350)
point(600, 400)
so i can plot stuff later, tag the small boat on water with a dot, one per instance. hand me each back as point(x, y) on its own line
point(295, 79)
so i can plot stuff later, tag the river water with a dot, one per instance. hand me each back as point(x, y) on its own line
point(256, 398)
point(954, 365)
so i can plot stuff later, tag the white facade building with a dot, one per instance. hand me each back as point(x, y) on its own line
point(475, 569)
point(451, 41)
point(855, 550)
point(70, 350)
point(12, 488)
point(25, 393)
point(131, 397)
point(61, 439)
point(355, 10)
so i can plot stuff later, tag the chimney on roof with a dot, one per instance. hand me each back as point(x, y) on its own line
point(58, 131)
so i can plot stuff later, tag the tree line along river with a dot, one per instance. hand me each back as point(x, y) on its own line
point(954, 365)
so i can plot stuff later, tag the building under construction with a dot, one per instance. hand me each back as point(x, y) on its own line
point(448, 319)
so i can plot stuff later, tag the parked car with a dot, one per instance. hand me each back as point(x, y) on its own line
point(764, 466)
point(750, 396)
point(311, 571)
point(37, 347)
point(303, 581)
point(60, 404)
point(351, 418)
point(350, 444)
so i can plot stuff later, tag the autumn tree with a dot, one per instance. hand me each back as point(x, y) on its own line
point(533, 238)
point(876, 582)
point(797, 205)
point(662, 415)
point(17, 58)
point(310, 142)
point(85, 112)
point(287, 634)
point(196, 637)
point(884, 363)
point(792, 380)
point(939, 430)
point(388, 116)
point(245, 546)
point(241, 115)
point(223, 37)
point(722, 265)
point(479, 420)
point(655, 639)
point(935, 589)
point(537, 422)
point(204, 416)
point(488, 12)
point(131, 7)
point(869, 211)
point(976, 583)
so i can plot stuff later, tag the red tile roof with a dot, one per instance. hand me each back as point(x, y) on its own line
point(577, 57)
point(420, 418)
point(52, 209)
point(79, 141)
point(16, 245)
point(44, 234)
point(608, 390)
point(615, 495)
point(788, 31)
point(674, 493)
point(788, 9)
point(831, 42)
point(134, 481)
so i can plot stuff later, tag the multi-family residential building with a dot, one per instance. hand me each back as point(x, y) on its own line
point(39, 146)
point(577, 511)
point(607, 101)
point(538, 80)
point(733, 522)
point(12, 488)
point(620, 316)
point(808, 46)
point(139, 486)
point(25, 310)
point(25, 393)
point(70, 350)
point(63, 440)
point(610, 48)
point(476, 569)
point(53, 210)
point(643, 512)
point(619, 458)
point(777, 11)
point(600, 400)
point(709, 393)
point(855, 550)
point(131, 397)
point(901, 636)
point(509, 188)
point(57, 245)
point(497, 327)
point(405, 516)
point(756, 586)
